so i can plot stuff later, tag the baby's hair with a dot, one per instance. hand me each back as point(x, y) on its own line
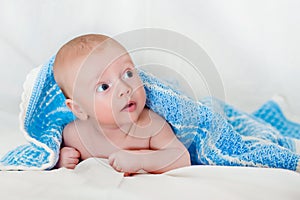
point(85, 43)
point(67, 54)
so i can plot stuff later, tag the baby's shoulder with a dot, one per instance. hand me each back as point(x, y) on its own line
point(73, 126)
point(149, 114)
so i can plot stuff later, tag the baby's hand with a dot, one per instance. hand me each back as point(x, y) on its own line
point(125, 161)
point(68, 158)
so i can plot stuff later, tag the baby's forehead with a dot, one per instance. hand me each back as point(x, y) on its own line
point(103, 57)
point(101, 60)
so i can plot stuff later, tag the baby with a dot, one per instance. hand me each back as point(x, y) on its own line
point(104, 91)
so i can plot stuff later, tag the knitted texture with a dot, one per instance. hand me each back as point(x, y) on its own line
point(214, 133)
point(43, 117)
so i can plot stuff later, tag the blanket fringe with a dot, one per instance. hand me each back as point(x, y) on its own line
point(25, 97)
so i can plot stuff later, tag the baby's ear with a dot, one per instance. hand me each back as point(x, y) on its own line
point(76, 109)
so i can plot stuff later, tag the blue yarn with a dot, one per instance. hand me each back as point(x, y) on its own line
point(215, 133)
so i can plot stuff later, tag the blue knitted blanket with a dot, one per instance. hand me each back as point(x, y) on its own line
point(215, 133)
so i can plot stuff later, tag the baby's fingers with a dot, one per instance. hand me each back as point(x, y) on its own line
point(113, 162)
point(111, 159)
point(70, 152)
point(70, 166)
point(74, 153)
point(71, 163)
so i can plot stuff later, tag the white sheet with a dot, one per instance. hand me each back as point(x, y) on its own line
point(94, 179)
point(213, 182)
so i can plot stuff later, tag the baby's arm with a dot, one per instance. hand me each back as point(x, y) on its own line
point(68, 158)
point(166, 153)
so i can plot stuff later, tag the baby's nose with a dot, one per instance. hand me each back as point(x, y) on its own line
point(125, 90)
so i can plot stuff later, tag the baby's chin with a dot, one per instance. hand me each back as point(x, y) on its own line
point(129, 120)
point(116, 123)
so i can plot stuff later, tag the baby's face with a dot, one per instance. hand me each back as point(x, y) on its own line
point(109, 89)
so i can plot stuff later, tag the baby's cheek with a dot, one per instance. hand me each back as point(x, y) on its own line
point(104, 114)
point(141, 94)
point(99, 111)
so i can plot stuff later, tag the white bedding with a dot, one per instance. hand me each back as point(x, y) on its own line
point(94, 179)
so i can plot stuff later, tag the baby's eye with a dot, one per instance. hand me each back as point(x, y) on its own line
point(102, 87)
point(128, 74)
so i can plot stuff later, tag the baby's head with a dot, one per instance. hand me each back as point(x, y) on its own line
point(99, 81)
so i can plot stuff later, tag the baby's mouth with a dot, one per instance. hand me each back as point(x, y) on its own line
point(130, 106)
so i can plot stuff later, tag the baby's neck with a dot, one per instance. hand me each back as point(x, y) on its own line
point(111, 129)
point(143, 121)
